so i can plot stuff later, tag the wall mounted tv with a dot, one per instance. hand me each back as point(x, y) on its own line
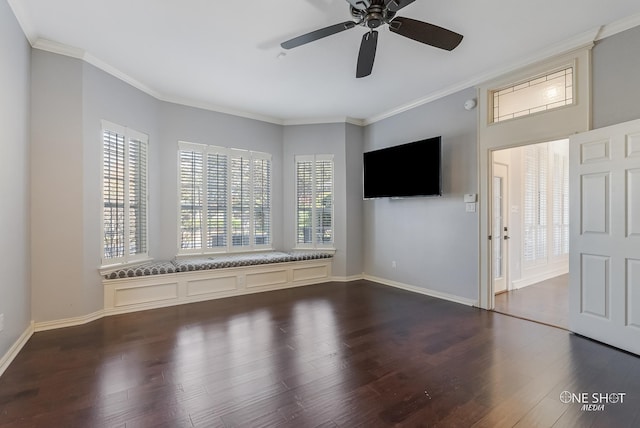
point(406, 170)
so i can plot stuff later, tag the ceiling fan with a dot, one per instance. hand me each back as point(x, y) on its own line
point(372, 14)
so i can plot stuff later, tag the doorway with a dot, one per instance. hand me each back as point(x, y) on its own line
point(530, 232)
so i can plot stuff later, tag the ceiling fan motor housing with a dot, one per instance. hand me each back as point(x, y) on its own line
point(374, 16)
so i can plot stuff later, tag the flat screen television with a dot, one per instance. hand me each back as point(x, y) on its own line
point(406, 170)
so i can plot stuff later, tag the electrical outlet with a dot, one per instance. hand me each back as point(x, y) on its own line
point(1, 322)
point(393, 264)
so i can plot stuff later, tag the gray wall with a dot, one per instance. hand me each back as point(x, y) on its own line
point(309, 140)
point(70, 98)
point(354, 147)
point(433, 241)
point(15, 289)
point(56, 187)
point(616, 80)
point(180, 123)
point(106, 97)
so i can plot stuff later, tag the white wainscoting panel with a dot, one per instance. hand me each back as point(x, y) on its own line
point(199, 287)
point(148, 292)
point(264, 279)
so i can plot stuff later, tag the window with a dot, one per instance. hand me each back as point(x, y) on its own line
point(547, 92)
point(314, 201)
point(124, 194)
point(225, 199)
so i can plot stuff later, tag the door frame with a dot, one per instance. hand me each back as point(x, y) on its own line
point(535, 128)
point(504, 243)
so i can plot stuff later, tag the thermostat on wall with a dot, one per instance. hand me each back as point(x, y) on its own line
point(470, 197)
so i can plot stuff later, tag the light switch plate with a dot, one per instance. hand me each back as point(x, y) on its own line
point(471, 207)
point(470, 197)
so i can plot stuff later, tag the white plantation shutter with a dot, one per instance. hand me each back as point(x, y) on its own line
point(546, 201)
point(217, 195)
point(262, 201)
point(314, 201)
point(240, 201)
point(225, 201)
point(191, 194)
point(324, 201)
point(304, 200)
point(535, 204)
point(124, 194)
point(560, 198)
point(137, 196)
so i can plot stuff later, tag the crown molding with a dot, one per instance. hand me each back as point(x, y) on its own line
point(580, 41)
point(73, 52)
point(323, 120)
point(24, 20)
point(619, 26)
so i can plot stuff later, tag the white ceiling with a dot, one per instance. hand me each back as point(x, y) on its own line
point(226, 55)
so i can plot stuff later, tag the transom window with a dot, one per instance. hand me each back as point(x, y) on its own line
point(225, 199)
point(542, 93)
point(124, 194)
point(314, 201)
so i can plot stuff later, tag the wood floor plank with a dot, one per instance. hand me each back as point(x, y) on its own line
point(353, 354)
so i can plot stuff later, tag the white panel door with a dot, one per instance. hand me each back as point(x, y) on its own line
point(604, 259)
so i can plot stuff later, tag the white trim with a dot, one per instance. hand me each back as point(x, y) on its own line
point(156, 291)
point(13, 351)
point(350, 278)
point(323, 120)
point(578, 42)
point(619, 26)
point(546, 126)
point(68, 322)
point(73, 52)
point(539, 277)
point(422, 290)
point(572, 43)
point(24, 20)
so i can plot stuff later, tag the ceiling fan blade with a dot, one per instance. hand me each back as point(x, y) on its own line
point(318, 34)
point(367, 54)
point(425, 33)
point(396, 5)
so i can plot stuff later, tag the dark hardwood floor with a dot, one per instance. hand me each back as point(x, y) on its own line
point(328, 355)
point(546, 302)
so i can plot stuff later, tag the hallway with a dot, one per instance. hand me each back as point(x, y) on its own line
point(546, 302)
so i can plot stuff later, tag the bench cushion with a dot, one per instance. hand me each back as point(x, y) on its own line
point(192, 264)
point(145, 269)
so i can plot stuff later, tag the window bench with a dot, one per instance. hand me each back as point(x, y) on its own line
point(185, 280)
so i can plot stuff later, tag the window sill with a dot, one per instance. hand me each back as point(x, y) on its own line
point(331, 250)
point(223, 253)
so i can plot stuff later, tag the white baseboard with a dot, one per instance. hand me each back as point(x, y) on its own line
point(15, 349)
point(539, 277)
point(68, 322)
point(347, 278)
point(425, 291)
